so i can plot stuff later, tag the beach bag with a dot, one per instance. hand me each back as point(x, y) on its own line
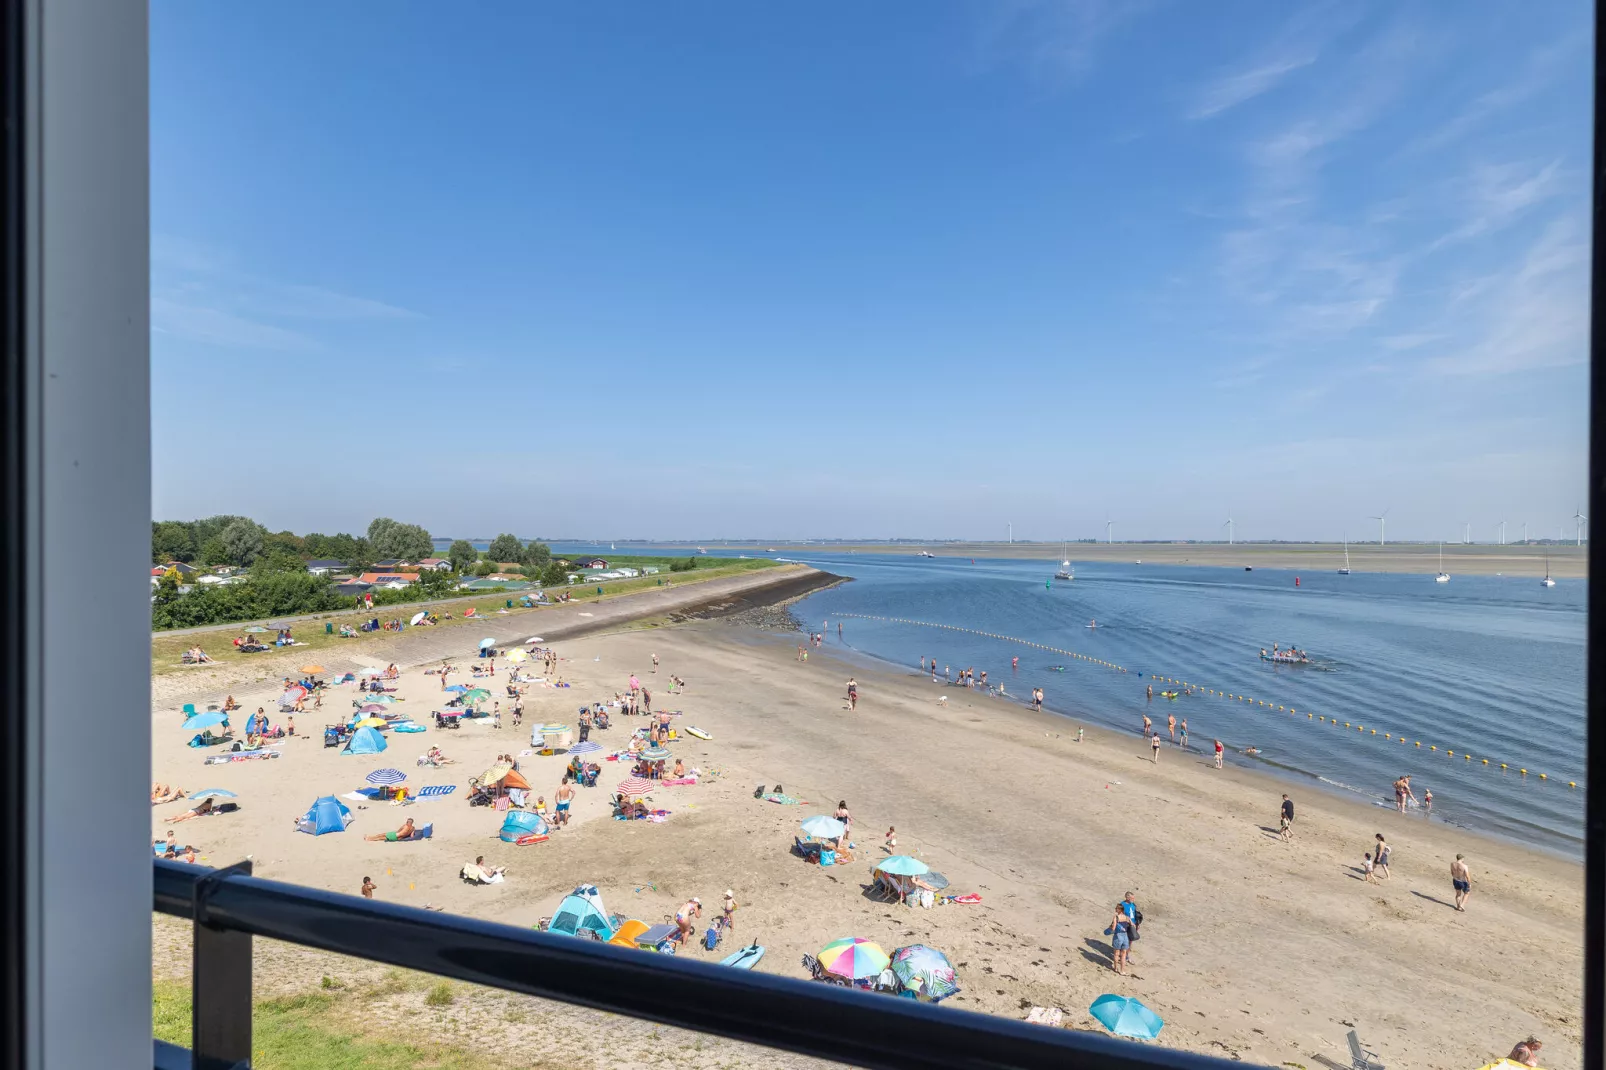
point(711, 938)
point(927, 898)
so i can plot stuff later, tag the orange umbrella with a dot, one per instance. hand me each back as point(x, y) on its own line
point(312, 668)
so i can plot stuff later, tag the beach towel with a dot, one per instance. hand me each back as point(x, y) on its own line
point(784, 800)
point(680, 780)
point(358, 796)
point(435, 791)
point(241, 756)
point(408, 726)
point(971, 898)
point(1052, 1017)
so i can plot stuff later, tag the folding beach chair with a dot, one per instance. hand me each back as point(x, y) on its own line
point(1359, 1057)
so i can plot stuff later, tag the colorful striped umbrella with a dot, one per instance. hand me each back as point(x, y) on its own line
point(1126, 1017)
point(476, 694)
point(587, 747)
point(654, 753)
point(371, 707)
point(903, 866)
point(386, 777)
point(634, 785)
point(371, 722)
point(853, 958)
point(925, 970)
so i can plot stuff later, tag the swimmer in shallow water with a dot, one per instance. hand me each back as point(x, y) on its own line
point(1251, 751)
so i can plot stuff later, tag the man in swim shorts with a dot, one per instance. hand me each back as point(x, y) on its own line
point(403, 833)
point(564, 795)
point(1461, 879)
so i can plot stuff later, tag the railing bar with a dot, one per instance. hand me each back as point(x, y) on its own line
point(824, 1021)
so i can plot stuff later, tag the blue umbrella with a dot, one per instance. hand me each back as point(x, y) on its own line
point(219, 792)
point(457, 687)
point(585, 748)
point(826, 828)
point(903, 866)
point(487, 641)
point(204, 720)
point(1126, 1017)
point(386, 777)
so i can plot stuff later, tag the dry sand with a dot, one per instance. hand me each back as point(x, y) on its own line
point(1252, 947)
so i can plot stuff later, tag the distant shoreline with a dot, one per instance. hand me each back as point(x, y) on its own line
point(1566, 562)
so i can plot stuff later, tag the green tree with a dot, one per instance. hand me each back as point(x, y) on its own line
point(462, 554)
point(390, 538)
point(536, 555)
point(214, 525)
point(274, 559)
point(172, 540)
point(213, 552)
point(284, 541)
point(484, 568)
point(554, 575)
point(243, 541)
point(506, 548)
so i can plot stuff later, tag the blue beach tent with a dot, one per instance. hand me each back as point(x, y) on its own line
point(365, 741)
point(582, 910)
point(328, 814)
point(522, 823)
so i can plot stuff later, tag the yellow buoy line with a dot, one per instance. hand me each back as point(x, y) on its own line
point(1229, 696)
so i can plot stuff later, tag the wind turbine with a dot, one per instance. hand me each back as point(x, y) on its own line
point(1581, 520)
point(1380, 526)
point(1468, 539)
point(1502, 533)
point(1109, 529)
point(1228, 526)
point(1525, 533)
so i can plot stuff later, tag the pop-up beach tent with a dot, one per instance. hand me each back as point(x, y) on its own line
point(522, 823)
point(328, 814)
point(581, 910)
point(365, 741)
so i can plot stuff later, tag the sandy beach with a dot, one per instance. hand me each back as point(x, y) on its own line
point(1251, 948)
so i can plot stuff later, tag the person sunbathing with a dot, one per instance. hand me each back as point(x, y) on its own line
point(167, 795)
point(477, 868)
point(403, 833)
point(201, 809)
point(229, 704)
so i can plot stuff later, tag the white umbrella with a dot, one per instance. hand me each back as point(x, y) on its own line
point(417, 617)
point(487, 641)
point(535, 639)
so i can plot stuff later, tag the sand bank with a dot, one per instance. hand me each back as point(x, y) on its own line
point(1252, 947)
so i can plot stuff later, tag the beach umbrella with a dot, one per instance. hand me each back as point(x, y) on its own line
point(925, 969)
point(371, 671)
point(655, 753)
point(459, 688)
point(312, 668)
point(1126, 1017)
point(495, 773)
point(292, 696)
point(371, 707)
point(535, 639)
point(634, 785)
point(386, 777)
point(476, 694)
point(587, 747)
point(487, 641)
point(554, 729)
point(516, 655)
point(903, 866)
point(382, 699)
point(256, 629)
point(823, 827)
point(211, 793)
point(371, 722)
point(420, 615)
point(204, 720)
point(853, 958)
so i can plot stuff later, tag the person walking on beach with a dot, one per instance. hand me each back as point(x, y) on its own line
point(853, 693)
point(1184, 743)
point(655, 663)
point(563, 797)
point(1461, 880)
point(1367, 868)
point(1171, 726)
point(1288, 817)
point(1154, 742)
point(1218, 753)
point(846, 818)
point(1382, 859)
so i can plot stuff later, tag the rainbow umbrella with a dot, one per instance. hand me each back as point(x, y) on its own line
point(1126, 1017)
point(652, 754)
point(634, 785)
point(853, 958)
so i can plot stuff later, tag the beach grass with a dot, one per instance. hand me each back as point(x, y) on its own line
point(310, 1031)
point(167, 649)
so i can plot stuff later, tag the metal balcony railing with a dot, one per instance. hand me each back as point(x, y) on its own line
point(229, 907)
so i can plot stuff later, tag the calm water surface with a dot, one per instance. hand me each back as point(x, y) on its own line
point(1490, 666)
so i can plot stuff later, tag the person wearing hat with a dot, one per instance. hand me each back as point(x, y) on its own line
point(692, 908)
point(730, 911)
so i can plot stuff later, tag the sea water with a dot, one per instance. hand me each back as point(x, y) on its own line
point(1484, 665)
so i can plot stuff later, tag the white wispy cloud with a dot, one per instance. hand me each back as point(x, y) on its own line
point(199, 294)
point(1056, 39)
point(1233, 89)
point(1494, 196)
point(1535, 73)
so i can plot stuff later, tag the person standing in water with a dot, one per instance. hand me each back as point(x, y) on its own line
point(1184, 743)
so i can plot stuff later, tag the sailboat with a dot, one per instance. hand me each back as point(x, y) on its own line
point(1345, 570)
point(1547, 581)
point(1443, 576)
point(1065, 572)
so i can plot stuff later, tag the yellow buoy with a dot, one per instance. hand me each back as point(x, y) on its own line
point(1570, 784)
point(1431, 747)
point(1503, 765)
point(1524, 772)
point(1486, 761)
point(1542, 776)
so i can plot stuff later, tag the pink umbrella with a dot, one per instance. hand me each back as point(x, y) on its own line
point(634, 785)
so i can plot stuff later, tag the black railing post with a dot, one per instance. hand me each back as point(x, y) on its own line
point(220, 1000)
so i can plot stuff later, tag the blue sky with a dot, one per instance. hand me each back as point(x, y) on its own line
point(905, 269)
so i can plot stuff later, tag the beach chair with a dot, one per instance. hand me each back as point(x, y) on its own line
point(1359, 1057)
point(189, 710)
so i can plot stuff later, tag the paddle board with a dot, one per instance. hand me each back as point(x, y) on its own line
point(698, 732)
point(745, 958)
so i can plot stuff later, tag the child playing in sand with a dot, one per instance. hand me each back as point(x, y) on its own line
point(368, 887)
point(1366, 866)
point(892, 840)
